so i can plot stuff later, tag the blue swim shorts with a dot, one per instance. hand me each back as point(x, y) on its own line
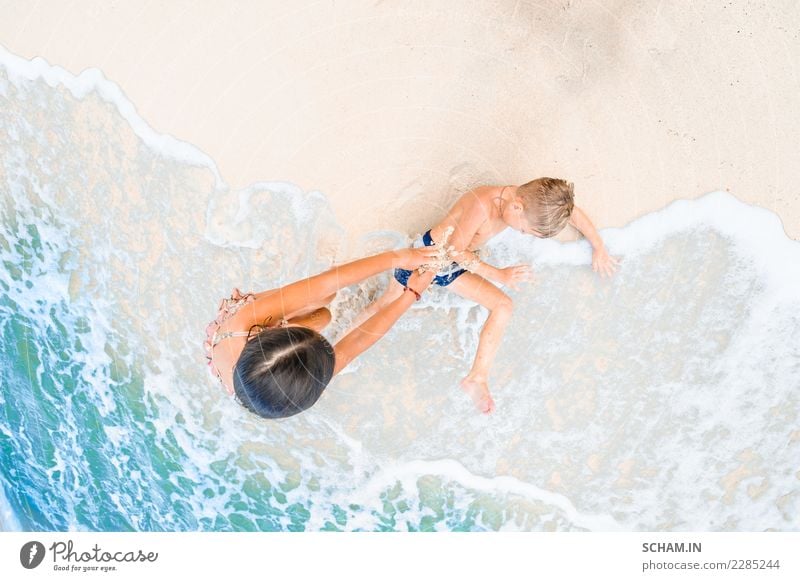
point(444, 277)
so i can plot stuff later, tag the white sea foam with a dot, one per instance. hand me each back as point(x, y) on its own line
point(93, 81)
point(452, 471)
point(8, 520)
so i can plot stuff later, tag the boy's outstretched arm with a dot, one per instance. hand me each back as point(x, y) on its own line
point(464, 231)
point(510, 276)
point(602, 263)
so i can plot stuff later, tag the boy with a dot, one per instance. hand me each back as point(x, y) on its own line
point(542, 208)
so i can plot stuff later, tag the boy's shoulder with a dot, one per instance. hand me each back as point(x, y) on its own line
point(479, 195)
point(483, 191)
point(480, 199)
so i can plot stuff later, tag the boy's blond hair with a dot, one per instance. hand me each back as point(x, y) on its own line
point(548, 204)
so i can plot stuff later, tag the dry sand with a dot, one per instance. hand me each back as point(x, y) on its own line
point(388, 107)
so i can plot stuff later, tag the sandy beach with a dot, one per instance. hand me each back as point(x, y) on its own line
point(390, 107)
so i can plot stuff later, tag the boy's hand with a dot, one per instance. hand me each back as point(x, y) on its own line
point(602, 263)
point(411, 258)
point(512, 276)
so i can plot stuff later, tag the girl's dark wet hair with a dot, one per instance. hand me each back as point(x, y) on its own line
point(283, 371)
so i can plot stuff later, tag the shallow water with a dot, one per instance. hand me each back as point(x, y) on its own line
point(666, 398)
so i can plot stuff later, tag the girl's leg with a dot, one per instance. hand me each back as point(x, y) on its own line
point(476, 288)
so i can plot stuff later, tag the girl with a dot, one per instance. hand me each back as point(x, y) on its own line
point(266, 349)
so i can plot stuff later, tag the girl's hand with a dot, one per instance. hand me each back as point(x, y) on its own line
point(412, 258)
point(513, 276)
point(602, 263)
point(420, 282)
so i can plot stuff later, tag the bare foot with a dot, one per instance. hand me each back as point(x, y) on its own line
point(478, 390)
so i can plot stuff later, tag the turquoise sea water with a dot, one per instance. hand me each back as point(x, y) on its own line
point(667, 398)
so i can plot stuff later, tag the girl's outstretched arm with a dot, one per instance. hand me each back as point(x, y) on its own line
point(317, 289)
point(367, 334)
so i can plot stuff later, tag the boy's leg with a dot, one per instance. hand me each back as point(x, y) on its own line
point(476, 288)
